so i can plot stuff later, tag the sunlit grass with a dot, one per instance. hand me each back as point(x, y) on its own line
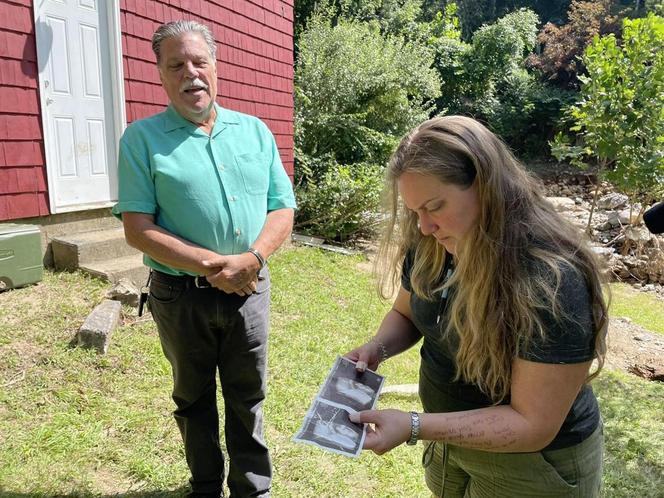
point(642, 308)
point(74, 423)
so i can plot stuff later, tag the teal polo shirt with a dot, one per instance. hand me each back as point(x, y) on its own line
point(213, 190)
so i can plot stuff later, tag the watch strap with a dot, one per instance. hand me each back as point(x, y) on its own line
point(414, 428)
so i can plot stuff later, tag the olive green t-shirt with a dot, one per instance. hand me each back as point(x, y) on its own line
point(568, 340)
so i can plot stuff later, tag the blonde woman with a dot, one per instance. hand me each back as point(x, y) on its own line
point(508, 301)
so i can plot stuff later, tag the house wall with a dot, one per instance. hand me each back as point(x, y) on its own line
point(23, 186)
point(255, 58)
point(255, 68)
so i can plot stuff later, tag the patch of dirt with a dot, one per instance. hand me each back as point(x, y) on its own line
point(635, 350)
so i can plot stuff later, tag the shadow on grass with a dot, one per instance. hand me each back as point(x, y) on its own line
point(176, 493)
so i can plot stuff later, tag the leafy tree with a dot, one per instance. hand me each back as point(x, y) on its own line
point(655, 6)
point(560, 58)
point(620, 115)
point(358, 92)
point(487, 79)
point(499, 49)
point(471, 72)
point(475, 13)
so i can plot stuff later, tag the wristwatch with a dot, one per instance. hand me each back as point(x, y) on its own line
point(414, 429)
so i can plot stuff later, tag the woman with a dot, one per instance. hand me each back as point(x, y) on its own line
point(508, 300)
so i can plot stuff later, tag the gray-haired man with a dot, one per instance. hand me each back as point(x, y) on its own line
point(204, 195)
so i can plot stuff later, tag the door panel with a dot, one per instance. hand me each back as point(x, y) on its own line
point(73, 49)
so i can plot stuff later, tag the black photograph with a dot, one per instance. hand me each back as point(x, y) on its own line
point(328, 427)
point(346, 386)
point(344, 391)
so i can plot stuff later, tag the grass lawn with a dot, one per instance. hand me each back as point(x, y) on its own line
point(73, 423)
point(642, 308)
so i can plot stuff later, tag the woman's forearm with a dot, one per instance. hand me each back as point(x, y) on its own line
point(499, 429)
point(397, 333)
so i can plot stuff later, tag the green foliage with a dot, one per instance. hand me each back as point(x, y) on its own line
point(475, 13)
point(620, 114)
point(356, 91)
point(524, 111)
point(498, 50)
point(487, 79)
point(395, 17)
point(655, 6)
point(342, 202)
point(445, 24)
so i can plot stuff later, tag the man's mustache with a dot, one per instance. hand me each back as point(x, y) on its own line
point(193, 83)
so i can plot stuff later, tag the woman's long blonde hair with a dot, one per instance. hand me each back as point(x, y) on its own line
point(499, 291)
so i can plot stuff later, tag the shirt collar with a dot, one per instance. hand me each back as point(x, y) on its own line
point(173, 120)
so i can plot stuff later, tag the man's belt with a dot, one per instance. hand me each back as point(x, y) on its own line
point(186, 281)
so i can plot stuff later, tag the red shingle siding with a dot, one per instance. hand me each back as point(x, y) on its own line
point(255, 58)
point(23, 186)
point(255, 63)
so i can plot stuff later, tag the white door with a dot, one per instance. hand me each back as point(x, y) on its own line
point(78, 86)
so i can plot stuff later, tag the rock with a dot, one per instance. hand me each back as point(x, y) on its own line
point(613, 200)
point(561, 203)
point(307, 239)
point(626, 216)
point(620, 218)
point(95, 333)
point(124, 291)
point(613, 219)
point(637, 234)
point(605, 252)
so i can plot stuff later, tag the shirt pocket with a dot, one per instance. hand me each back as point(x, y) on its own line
point(254, 170)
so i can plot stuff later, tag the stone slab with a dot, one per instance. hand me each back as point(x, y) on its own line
point(95, 333)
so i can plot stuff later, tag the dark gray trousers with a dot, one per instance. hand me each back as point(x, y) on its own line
point(202, 331)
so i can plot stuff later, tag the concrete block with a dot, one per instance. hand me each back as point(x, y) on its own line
point(95, 333)
point(73, 251)
point(124, 291)
point(130, 267)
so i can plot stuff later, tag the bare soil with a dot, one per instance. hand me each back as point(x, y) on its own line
point(635, 350)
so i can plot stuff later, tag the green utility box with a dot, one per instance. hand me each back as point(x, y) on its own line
point(20, 255)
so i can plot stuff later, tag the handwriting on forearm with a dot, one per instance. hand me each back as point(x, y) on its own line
point(478, 431)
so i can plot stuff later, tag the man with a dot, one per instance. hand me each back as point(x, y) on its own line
point(204, 195)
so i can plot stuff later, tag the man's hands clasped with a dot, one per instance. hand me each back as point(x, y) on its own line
point(234, 274)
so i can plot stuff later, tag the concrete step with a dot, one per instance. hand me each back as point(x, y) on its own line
point(114, 269)
point(73, 251)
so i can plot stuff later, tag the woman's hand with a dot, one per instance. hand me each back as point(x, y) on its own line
point(390, 429)
point(366, 356)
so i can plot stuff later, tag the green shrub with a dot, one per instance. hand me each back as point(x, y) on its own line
point(524, 111)
point(342, 203)
point(357, 91)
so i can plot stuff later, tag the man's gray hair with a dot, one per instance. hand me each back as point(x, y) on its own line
point(176, 28)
